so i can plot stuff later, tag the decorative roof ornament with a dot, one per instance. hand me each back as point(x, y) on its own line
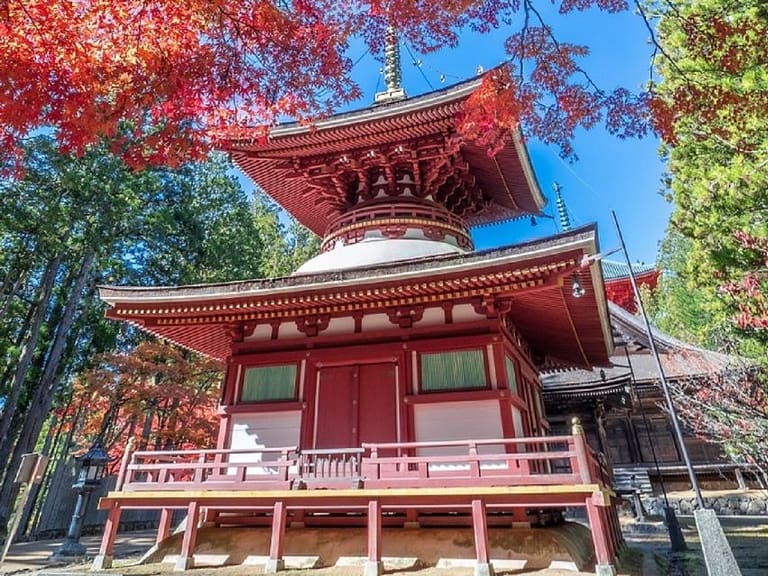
point(562, 212)
point(392, 72)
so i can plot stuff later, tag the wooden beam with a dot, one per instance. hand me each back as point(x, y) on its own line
point(164, 526)
point(388, 493)
point(599, 530)
point(480, 533)
point(104, 558)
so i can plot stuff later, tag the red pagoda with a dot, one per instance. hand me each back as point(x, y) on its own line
point(394, 378)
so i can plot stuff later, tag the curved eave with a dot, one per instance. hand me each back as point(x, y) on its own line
point(289, 132)
point(536, 275)
point(508, 177)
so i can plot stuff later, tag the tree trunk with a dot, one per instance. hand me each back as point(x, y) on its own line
point(28, 350)
point(43, 395)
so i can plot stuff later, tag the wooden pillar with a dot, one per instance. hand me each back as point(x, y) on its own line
point(279, 517)
point(600, 536)
point(740, 479)
point(582, 452)
point(635, 447)
point(187, 555)
point(617, 539)
point(374, 565)
point(602, 436)
point(103, 559)
point(164, 526)
point(480, 532)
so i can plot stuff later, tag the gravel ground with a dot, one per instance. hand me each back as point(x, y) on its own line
point(647, 555)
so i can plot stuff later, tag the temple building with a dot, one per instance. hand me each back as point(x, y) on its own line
point(394, 379)
point(620, 406)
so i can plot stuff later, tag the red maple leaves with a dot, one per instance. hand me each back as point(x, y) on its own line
point(544, 91)
point(163, 396)
point(163, 80)
point(158, 78)
point(750, 292)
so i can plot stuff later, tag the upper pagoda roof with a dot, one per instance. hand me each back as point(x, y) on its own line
point(562, 330)
point(507, 178)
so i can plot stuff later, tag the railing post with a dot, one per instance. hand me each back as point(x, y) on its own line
point(474, 463)
point(374, 459)
point(285, 465)
point(199, 474)
point(582, 451)
point(127, 455)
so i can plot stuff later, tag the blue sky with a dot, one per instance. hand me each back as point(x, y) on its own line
point(610, 173)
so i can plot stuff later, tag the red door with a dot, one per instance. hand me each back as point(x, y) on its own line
point(356, 404)
point(336, 415)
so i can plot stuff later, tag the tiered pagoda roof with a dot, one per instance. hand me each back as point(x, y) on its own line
point(562, 330)
point(319, 172)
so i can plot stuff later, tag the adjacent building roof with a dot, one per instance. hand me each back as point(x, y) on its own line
point(633, 361)
point(613, 270)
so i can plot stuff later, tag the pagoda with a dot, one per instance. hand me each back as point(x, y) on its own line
point(394, 378)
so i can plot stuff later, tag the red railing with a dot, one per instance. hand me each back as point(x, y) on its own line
point(402, 209)
point(509, 462)
point(266, 468)
point(504, 462)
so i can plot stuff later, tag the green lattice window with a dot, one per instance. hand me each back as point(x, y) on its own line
point(509, 364)
point(459, 370)
point(269, 383)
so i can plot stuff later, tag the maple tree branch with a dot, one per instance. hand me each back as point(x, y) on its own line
point(526, 24)
point(723, 141)
point(658, 48)
point(579, 69)
point(29, 17)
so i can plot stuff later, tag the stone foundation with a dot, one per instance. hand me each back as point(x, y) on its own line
point(739, 504)
point(533, 548)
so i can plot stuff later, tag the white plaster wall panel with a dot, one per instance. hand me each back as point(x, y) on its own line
point(344, 325)
point(434, 316)
point(289, 331)
point(262, 332)
point(471, 420)
point(263, 430)
point(465, 313)
point(517, 424)
point(373, 322)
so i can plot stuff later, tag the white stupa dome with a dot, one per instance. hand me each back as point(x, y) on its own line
point(375, 251)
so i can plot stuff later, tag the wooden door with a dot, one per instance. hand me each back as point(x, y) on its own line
point(378, 404)
point(355, 404)
point(336, 417)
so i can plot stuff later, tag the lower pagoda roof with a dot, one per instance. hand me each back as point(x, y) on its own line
point(562, 330)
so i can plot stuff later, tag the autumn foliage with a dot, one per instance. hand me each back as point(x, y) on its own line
point(731, 408)
point(162, 81)
point(163, 396)
point(750, 292)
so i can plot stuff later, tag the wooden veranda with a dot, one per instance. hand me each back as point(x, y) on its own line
point(480, 480)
